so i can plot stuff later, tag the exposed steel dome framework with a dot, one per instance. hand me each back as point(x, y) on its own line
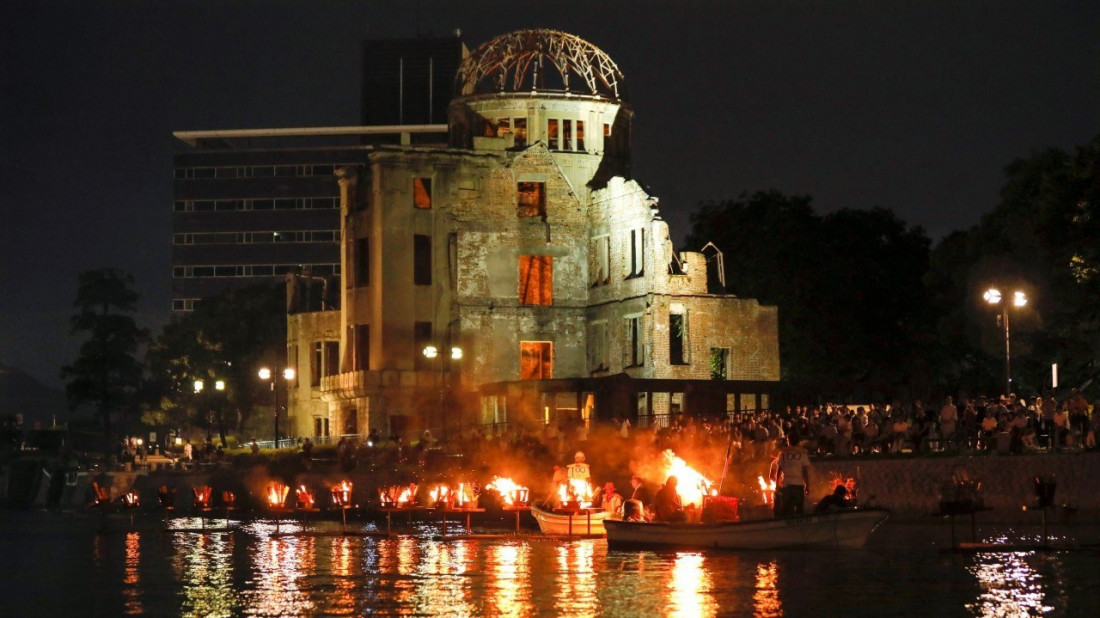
point(538, 61)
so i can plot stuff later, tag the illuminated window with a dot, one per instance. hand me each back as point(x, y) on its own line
point(552, 134)
point(536, 280)
point(567, 135)
point(531, 199)
point(422, 260)
point(422, 192)
point(504, 126)
point(580, 135)
point(536, 360)
point(606, 130)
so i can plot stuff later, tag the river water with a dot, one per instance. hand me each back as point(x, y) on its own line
point(61, 565)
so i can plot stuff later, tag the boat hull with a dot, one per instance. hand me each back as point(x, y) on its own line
point(838, 530)
point(582, 525)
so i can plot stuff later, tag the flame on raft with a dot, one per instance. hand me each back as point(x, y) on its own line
point(305, 497)
point(341, 494)
point(576, 492)
point(465, 496)
point(767, 489)
point(276, 494)
point(202, 496)
point(692, 485)
point(511, 493)
point(399, 496)
point(131, 499)
point(229, 499)
point(440, 494)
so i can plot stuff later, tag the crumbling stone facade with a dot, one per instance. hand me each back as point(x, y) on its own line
point(524, 245)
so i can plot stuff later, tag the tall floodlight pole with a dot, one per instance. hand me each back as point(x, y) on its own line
point(993, 296)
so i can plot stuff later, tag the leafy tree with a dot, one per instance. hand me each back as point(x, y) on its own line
point(227, 337)
point(848, 288)
point(1043, 238)
point(106, 372)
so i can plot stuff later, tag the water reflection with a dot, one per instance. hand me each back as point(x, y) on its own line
point(442, 587)
point(509, 580)
point(575, 592)
point(1009, 586)
point(689, 587)
point(204, 568)
point(765, 597)
point(281, 563)
point(131, 578)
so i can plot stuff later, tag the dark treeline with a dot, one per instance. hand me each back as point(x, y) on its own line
point(870, 309)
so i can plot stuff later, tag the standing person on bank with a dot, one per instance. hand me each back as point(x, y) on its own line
point(791, 472)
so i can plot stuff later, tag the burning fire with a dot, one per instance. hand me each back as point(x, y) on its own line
point(305, 497)
point(692, 485)
point(131, 499)
point(511, 493)
point(440, 495)
point(767, 490)
point(465, 496)
point(276, 494)
point(399, 496)
point(202, 496)
point(341, 494)
point(229, 499)
point(576, 492)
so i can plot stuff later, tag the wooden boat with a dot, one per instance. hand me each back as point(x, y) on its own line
point(581, 523)
point(847, 529)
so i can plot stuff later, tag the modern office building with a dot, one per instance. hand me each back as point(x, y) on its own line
point(518, 274)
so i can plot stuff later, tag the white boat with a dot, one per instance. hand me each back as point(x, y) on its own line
point(848, 529)
point(585, 523)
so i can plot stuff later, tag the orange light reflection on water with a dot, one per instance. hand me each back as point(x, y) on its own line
point(509, 581)
point(443, 586)
point(765, 599)
point(576, 592)
point(689, 587)
point(205, 569)
point(131, 575)
point(281, 564)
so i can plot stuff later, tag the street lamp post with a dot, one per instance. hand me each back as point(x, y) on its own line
point(266, 374)
point(433, 352)
point(1019, 299)
point(219, 386)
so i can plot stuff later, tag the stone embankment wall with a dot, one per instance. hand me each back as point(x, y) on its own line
point(911, 487)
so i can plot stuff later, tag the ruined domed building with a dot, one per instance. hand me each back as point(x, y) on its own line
point(522, 257)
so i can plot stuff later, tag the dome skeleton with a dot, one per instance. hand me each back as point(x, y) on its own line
point(507, 61)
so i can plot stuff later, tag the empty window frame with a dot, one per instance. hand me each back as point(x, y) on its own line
point(317, 359)
point(504, 127)
point(536, 280)
point(362, 262)
point(597, 347)
point(520, 131)
point(601, 262)
point(552, 133)
point(719, 363)
point(332, 358)
point(677, 339)
point(422, 259)
point(362, 347)
point(422, 193)
point(531, 199)
point(633, 338)
point(567, 135)
point(536, 360)
point(636, 250)
point(580, 135)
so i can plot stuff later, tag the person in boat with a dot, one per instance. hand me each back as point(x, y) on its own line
point(791, 472)
point(668, 506)
point(836, 501)
point(640, 492)
point(610, 500)
point(578, 470)
point(560, 478)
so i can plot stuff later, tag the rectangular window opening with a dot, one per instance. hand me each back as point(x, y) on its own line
point(677, 338)
point(552, 134)
point(422, 259)
point(719, 363)
point(332, 358)
point(536, 360)
point(536, 280)
point(422, 193)
point(362, 262)
point(567, 135)
point(362, 347)
point(531, 199)
point(580, 135)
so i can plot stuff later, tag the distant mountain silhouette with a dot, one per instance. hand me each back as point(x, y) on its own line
point(22, 394)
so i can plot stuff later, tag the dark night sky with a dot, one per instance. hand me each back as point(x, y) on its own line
point(913, 106)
